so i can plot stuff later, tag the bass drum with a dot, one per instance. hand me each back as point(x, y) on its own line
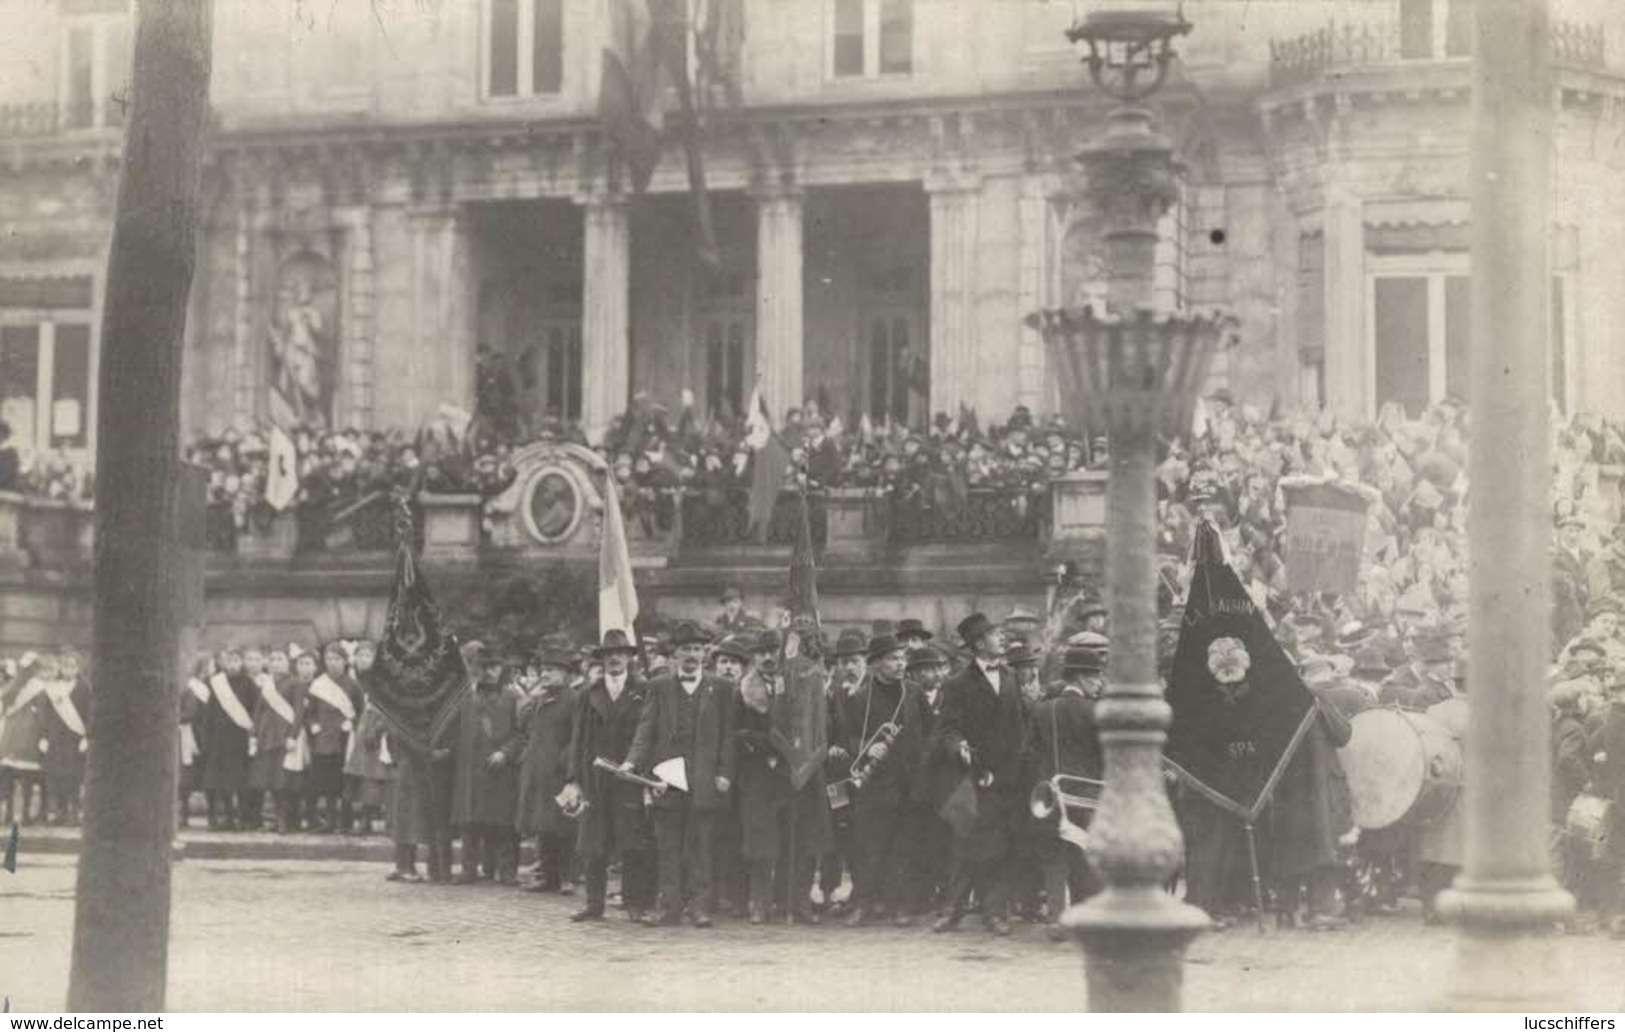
point(1588, 824)
point(1400, 766)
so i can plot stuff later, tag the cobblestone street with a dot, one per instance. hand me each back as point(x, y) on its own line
point(334, 936)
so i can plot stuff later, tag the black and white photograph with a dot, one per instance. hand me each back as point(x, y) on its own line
point(838, 506)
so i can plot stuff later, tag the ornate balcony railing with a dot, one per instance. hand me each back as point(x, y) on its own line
point(712, 519)
point(20, 120)
point(1353, 45)
point(985, 515)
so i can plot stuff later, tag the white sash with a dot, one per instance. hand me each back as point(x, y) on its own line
point(189, 749)
point(297, 758)
point(327, 690)
point(198, 689)
point(28, 694)
point(61, 695)
point(273, 698)
point(223, 694)
point(383, 752)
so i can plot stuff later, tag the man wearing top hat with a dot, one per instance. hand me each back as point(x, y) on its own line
point(689, 716)
point(982, 723)
point(881, 728)
point(611, 813)
point(1065, 743)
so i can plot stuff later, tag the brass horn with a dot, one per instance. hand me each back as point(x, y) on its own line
point(1049, 800)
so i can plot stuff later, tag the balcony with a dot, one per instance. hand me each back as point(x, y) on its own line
point(1338, 48)
point(19, 121)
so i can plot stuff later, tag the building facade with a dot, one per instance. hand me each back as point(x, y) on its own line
point(393, 191)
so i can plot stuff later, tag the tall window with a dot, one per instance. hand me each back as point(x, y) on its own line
point(1432, 29)
point(524, 48)
point(896, 365)
point(96, 69)
point(727, 331)
point(45, 381)
point(1422, 333)
point(561, 345)
point(871, 38)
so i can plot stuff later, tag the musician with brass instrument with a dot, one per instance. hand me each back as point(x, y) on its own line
point(1067, 768)
point(882, 722)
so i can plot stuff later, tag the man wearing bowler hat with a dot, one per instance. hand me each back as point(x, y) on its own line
point(611, 813)
point(912, 634)
point(982, 724)
point(689, 716)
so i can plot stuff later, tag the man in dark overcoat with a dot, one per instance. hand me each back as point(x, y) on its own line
point(1312, 810)
point(485, 784)
point(849, 662)
point(882, 725)
point(928, 841)
point(548, 718)
point(611, 811)
point(689, 716)
point(983, 724)
point(1065, 743)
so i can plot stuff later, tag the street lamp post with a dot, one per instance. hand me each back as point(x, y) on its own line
point(1132, 374)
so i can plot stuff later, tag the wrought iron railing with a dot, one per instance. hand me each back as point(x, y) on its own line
point(722, 517)
point(19, 120)
point(1353, 45)
point(984, 514)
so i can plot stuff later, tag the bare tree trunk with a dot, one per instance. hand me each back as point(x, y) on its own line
point(121, 921)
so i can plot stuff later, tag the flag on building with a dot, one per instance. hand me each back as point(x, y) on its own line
point(803, 594)
point(630, 87)
point(617, 595)
point(418, 679)
point(282, 478)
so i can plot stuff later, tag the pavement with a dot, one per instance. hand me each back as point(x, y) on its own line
point(280, 935)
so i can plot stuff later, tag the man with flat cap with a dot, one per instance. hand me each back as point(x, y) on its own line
point(1065, 743)
point(983, 724)
point(733, 617)
point(849, 663)
point(548, 718)
point(882, 725)
point(928, 839)
point(610, 810)
point(689, 716)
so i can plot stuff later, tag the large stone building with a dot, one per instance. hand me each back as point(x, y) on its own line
point(392, 187)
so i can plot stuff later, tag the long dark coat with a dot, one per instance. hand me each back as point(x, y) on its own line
point(421, 783)
point(64, 763)
point(762, 786)
point(548, 722)
point(708, 755)
point(1571, 763)
point(991, 719)
point(271, 734)
point(488, 723)
point(225, 745)
point(891, 781)
point(1312, 808)
point(604, 729)
point(1610, 774)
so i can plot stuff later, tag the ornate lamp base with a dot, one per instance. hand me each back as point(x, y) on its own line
point(1133, 940)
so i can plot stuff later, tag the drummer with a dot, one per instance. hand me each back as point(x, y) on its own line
point(1426, 678)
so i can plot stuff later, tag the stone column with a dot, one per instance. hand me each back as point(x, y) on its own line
point(1348, 364)
point(1505, 899)
point(779, 330)
point(358, 317)
point(444, 347)
point(953, 285)
point(605, 299)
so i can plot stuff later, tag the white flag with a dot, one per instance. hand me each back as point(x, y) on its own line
point(282, 481)
point(617, 596)
point(757, 428)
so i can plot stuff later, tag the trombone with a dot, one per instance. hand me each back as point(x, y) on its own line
point(1050, 800)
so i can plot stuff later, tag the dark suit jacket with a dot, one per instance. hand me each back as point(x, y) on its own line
point(892, 780)
point(993, 724)
point(708, 755)
point(1063, 729)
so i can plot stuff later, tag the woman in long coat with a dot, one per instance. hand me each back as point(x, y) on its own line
point(548, 718)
